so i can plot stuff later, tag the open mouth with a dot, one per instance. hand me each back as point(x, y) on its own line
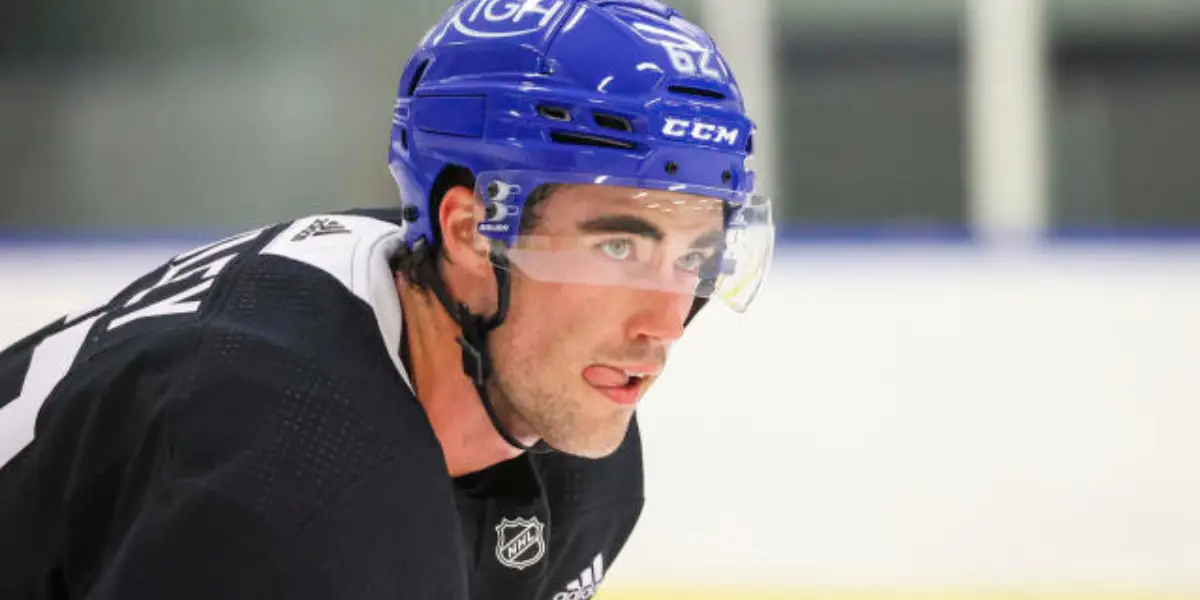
point(634, 381)
point(623, 386)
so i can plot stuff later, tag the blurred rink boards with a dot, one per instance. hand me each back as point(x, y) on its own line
point(892, 421)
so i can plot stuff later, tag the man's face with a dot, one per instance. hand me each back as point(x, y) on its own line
point(602, 284)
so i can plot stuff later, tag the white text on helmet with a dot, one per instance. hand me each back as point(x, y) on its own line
point(688, 56)
point(700, 131)
point(501, 19)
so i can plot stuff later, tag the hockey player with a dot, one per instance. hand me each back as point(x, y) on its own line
point(435, 402)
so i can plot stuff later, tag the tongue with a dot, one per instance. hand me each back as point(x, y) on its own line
point(605, 377)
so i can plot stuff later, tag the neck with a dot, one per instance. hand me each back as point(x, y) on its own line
point(452, 404)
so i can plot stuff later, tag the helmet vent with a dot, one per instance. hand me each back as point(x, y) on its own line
point(554, 113)
point(416, 78)
point(615, 122)
point(687, 90)
point(595, 141)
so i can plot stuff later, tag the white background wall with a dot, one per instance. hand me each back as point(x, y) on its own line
point(897, 416)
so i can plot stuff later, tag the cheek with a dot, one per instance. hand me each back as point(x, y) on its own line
point(538, 306)
point(558, 317)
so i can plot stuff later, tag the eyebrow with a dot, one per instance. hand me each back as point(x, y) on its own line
point(641, 227)
point(622, 224)
point(711, 239)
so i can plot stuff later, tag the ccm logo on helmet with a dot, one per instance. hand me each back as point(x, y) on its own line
point(493, 19)
point(701, 131)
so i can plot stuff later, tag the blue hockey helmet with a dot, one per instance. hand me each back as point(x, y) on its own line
point(623, 94)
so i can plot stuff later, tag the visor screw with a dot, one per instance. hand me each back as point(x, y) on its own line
point(411, 213)
point(493, 189)
point(672, 167)
point(726, 176)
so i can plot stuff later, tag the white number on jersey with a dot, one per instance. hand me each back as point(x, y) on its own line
point(53, 356)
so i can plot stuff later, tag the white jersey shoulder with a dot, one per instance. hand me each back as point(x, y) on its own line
point(355, 250)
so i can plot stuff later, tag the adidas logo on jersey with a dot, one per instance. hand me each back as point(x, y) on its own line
point(320, 227)
point(588, 583)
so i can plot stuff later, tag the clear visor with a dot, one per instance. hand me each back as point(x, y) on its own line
point(623, 233)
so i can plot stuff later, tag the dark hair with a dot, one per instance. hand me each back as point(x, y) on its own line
point(411, 263)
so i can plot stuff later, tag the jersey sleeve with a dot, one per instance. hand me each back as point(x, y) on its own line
point(190, 542)
point(277, 475)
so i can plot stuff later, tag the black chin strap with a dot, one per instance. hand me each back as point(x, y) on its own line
point(697, 304)
point(476, 362)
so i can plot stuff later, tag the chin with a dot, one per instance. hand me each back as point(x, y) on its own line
point(597, 441)
point(588, 451)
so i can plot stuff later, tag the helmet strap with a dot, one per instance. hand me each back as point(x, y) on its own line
point(697, 304)
point(476, 360)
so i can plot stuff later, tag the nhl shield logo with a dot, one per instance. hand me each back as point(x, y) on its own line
point(520, 542)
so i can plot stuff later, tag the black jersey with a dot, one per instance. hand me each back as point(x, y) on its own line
point(238, 424)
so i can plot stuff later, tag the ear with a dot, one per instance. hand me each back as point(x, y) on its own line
point(459, 216)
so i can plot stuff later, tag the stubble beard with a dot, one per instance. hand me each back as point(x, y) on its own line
point(553, 415)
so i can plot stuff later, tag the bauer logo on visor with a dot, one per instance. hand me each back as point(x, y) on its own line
point(506, 18)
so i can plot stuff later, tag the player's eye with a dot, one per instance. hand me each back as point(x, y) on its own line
point(617, 249)
point(692, 261)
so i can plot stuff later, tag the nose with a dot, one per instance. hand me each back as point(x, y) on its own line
point(659, 315)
